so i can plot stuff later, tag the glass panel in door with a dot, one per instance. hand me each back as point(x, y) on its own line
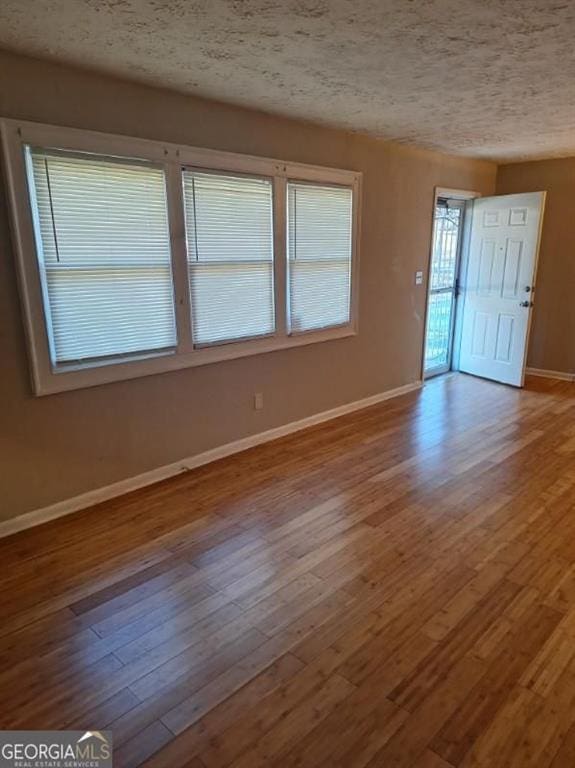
point(443, 285)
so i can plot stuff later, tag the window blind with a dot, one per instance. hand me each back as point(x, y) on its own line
point(230, 256)
point(104, 251)
point(319, 255)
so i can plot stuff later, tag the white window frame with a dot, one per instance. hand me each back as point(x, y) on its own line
point(48, 379)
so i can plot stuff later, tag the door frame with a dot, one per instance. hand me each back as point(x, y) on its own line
point(454, 194)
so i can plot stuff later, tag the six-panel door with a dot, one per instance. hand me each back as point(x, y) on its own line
point(498, 286)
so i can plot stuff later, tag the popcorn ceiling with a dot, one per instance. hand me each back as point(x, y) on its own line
point(483, 78)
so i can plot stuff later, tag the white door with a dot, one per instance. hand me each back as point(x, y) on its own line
point(497, 290)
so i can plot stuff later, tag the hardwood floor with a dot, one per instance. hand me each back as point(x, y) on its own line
point(393, 588)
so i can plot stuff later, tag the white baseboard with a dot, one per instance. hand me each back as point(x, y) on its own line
point(76, 503)
point(561, 375)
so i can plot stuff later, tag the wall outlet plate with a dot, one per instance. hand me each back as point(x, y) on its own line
point(258, 401)
point(419, 278)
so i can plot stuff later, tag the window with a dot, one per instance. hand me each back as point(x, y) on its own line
point(319, 246)
point(230, 256)
point(137, 257)
point(104, 255)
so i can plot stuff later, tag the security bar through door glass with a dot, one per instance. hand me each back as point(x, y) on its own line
point(443, 285)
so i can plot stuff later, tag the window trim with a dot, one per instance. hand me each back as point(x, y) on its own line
point(172, 157)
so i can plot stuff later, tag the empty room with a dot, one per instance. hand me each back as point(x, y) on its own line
point(287, 395)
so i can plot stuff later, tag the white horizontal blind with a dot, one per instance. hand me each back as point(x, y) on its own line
point(104, 250)
point(229, 228)
point(319, 254)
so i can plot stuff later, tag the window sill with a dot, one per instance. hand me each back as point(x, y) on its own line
point(105, 372)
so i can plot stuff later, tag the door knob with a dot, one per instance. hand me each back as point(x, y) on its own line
point(525, 303)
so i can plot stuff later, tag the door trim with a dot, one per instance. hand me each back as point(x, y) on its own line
point(454, 194)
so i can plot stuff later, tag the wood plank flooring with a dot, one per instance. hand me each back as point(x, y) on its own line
point(392, 588)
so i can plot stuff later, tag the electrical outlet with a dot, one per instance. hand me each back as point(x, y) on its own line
point(419, 278)
point(258, 401)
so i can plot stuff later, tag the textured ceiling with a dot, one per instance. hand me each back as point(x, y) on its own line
point(485, 78)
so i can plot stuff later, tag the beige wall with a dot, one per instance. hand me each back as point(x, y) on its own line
point(56, 447)
point(552, 345)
